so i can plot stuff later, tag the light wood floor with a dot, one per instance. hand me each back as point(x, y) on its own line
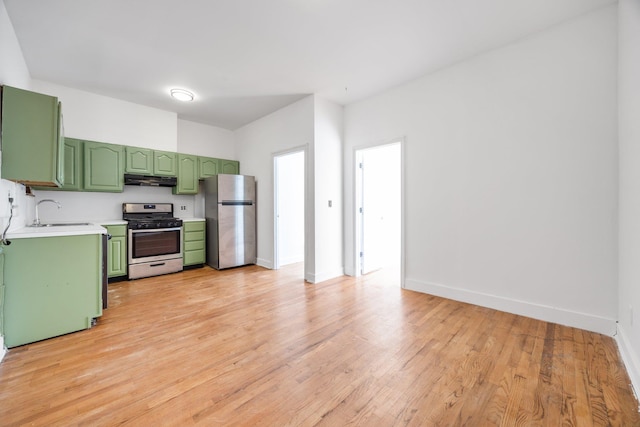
point(252, 347)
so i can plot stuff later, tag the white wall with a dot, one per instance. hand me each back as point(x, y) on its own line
point(511, 174)
point(256, 143)
point(629, 231)
point(205, 140)
point(327, 153)
point(97, 207)
point(13, 68)
point(100, 118)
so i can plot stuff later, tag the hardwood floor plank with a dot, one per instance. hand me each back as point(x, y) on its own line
point(251, 346)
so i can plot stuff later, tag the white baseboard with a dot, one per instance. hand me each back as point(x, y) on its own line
point(630, 359)
point(602, 325)
point(3, 350)
point(291, 260)
point(265, 263)
point(321, 277)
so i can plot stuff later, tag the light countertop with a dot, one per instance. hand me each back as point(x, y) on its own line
point(57, 231)
point(95, 227)
point(111, 222)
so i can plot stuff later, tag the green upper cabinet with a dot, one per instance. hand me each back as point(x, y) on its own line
point(103, 167)
point(229, 166)
point(72, 165)
point(144, 161)
point(207, 166)
point(32, 138)
point(72, 170)
point(165, 163)
point(139, 160)
point(187, 175)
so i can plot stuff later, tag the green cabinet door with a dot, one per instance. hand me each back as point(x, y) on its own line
point(139, 160)
point(117, 251)
point(207, 166)
point(72, 165)
point(194, 247)
point(72, 169)
point(187, 175)
point(32, 134)
point(229, 166)
point(165, 163)
point(62, 294)
point(103, 167)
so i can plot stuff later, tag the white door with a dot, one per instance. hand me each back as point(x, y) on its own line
point(380, 207)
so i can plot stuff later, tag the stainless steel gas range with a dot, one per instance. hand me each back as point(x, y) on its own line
point(154, 239)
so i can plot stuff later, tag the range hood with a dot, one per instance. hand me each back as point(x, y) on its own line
point(153, 181)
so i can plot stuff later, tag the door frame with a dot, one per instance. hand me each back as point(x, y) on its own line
point(357, 199)
point(274, 159)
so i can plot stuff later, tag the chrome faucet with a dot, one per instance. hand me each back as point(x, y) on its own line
point(37, 220)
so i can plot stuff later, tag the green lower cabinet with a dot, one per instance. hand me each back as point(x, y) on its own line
point(193, 244)
point(1, 294)
point(53, 286)
point(117, 251)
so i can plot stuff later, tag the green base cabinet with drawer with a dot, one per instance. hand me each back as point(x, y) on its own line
point(53, 286)
point(194, 238)
point(117, 251)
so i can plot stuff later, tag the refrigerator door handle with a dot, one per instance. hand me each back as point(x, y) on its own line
point(236, 202)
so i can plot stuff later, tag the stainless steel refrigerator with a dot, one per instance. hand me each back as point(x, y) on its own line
point(230, 212)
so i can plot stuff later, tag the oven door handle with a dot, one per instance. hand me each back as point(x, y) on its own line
point(155, 230)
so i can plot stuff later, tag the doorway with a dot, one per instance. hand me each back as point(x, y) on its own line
point(379, 210)
point(289, 184)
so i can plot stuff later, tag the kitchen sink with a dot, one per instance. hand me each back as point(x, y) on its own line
point(61, 224)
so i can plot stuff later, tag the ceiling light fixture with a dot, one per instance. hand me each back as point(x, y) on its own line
point(182, 95)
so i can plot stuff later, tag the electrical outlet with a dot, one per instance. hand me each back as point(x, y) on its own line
point(183, 208)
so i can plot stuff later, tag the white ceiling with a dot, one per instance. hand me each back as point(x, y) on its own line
point(246, 58)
